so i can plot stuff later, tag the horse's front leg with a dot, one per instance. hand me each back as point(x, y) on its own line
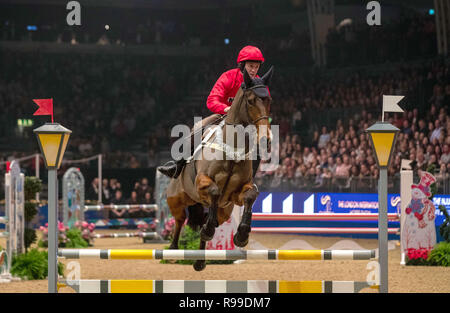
point(208, 230)
point(200, 265)
point(209, 191)
point(248, 195)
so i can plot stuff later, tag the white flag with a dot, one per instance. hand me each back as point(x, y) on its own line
point(390, 103)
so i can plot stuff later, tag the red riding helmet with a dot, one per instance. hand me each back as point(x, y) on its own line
point(250, 53)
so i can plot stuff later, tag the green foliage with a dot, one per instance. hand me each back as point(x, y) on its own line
point(440, 255)
point(71, 238)
point(32, 265)
point(29, 237)
point(32, 185)
point(444, 229)
point(75, 240)
point(190, 240)
point(30, 211)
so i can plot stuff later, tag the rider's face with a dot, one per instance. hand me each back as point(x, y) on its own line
point(252, 68)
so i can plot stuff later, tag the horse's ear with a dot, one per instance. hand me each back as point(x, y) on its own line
point(268, 76)
point(247, 79)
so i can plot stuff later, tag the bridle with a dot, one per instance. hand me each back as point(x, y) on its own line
point(246, 108)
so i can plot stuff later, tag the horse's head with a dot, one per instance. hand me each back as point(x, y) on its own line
point(257, 104)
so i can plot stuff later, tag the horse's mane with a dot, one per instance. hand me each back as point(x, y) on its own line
point(236, 112)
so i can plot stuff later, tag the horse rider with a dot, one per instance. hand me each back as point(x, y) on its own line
point(221, 97)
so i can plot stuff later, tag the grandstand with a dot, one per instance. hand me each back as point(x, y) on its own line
point(116, 84)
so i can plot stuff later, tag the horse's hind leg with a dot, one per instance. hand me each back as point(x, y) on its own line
point(178, 226)
point(177, 205)
point(208, 190)
point(249, 194)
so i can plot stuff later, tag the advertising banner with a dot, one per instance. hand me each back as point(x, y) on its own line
point(353, 203)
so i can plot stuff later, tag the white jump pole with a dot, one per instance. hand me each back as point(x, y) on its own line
point(100, 189)
point(406, 180)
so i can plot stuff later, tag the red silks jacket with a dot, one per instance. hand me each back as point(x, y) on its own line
point(224, 91)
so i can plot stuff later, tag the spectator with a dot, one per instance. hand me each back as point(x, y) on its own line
point(148, 199)
point(445, 157)
point(324, 138)
point(342, 169)
point(318, 182)
point(134, 212)
point(406, 129)
point(436, 132)
point(134, 163)
point(92, 193)
point(106, 195)
point(423, 128)
point(307, 156)
point(118, 213)
point(134, 198)
point(113, 186)
point(118, 198)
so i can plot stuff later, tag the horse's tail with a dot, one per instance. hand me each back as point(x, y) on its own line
point(196, 217)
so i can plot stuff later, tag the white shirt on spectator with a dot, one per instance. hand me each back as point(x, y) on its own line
point(308, 158)
point(435, 134)
point(323, 140)
point(445, 158)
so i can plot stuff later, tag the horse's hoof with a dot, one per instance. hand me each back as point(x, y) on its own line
point(199, 265)
point(240, 242)
point(206, 235)
point(244, 229)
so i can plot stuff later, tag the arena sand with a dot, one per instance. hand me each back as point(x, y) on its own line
point(402, 279)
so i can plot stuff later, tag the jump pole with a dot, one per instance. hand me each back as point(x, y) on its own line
point(152, 254)
point(213, 286)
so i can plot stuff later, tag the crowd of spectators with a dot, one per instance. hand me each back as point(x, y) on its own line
point(107, 99)
point(145, 26)
point(111, 100)
point(406, 38)
point(112, 193)
point(340, 156)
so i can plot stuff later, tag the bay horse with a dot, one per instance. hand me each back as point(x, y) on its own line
point(221, 184)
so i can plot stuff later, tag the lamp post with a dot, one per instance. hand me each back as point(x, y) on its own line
point(52, 139)
point(383, 136)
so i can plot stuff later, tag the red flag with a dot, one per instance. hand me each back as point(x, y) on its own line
point(45, 107)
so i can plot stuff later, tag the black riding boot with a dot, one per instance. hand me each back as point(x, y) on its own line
point(172, 169)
